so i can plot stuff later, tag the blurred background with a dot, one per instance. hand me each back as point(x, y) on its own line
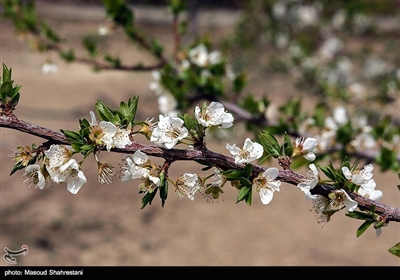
point(104, 225)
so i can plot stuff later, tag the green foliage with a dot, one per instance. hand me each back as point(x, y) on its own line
point(163, 188)
point(148, 198)
point(363, 228)
point(270, 144)
point(90, 45)
point(9, 94)
point(119, 12)
point(395, 250)
point(241, 182)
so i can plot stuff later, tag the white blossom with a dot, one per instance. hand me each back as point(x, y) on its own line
point(251, 151)
point(341, 197)
point(168, 132)
point(70, 172)
point(359, 177)
point(49, 67)
point(188, 185)
point(106, 133)
point(200, 56)
point(305, 147)
point(265, 184)
point(34, 176)
point(311, 180)
point(134, 167)
point(213, 115)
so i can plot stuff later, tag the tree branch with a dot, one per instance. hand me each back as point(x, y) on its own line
point(203, 156)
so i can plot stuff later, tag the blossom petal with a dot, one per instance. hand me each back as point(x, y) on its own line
point(266, 195)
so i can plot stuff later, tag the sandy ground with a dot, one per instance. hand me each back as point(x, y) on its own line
point(103, 224)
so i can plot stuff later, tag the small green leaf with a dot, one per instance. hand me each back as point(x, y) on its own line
point(247, 170)
point(6, 90)
point(84, 123)
point(328, 171)
point(68, 56)
point(14, 100)
point(148, 198)
point(6, 73)
point(76, 146)
point(244, 182)
point(287, 144)
point(363, 228)
point(124, 109)
point(72, 136)
point(133, 103)
point(395, 250)
point(248, 198)
point(243, 192)
point(163, 188)
point(360, 216)
point(104, 113)
point(232, 174)
point(17, 166)
point(190, 122)
point(270, 144)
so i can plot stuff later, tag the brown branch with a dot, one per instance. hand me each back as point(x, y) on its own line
point(203, 156)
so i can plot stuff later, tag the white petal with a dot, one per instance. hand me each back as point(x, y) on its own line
point(139, 157)
point(233, 149)
point(309, 144)
point(94, 121)
point(266, 195)
point(271, 173)
point(74, 186)
point(347, 173)
point(309, 156)
point(350, 203)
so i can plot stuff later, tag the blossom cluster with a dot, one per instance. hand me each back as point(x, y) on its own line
point(59, 166)
point(195, 69)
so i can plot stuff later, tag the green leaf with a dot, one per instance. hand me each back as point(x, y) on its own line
point(6, 73)
point(243, 192)
point(72, 136)
point(163, 188)
point(133, 103)
point(119, 11)
point(84, 123)
point(328, 171)
point(76, 146)
point(68, 56)
point(104, 113)
point(395, 250)
point(248, 198)
point(90, 45)
point(177, 6)
point(148, 198)
point(190, 122)
point(17, 166)
point(244, 182)
point(124, 109)
point(232, 174)
point(247, 170)
point(157, 48)
point(287, 144)
point(363, 228)
point(270, 144)
point(6, 90)
point(14, 100)
point(360, 216)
